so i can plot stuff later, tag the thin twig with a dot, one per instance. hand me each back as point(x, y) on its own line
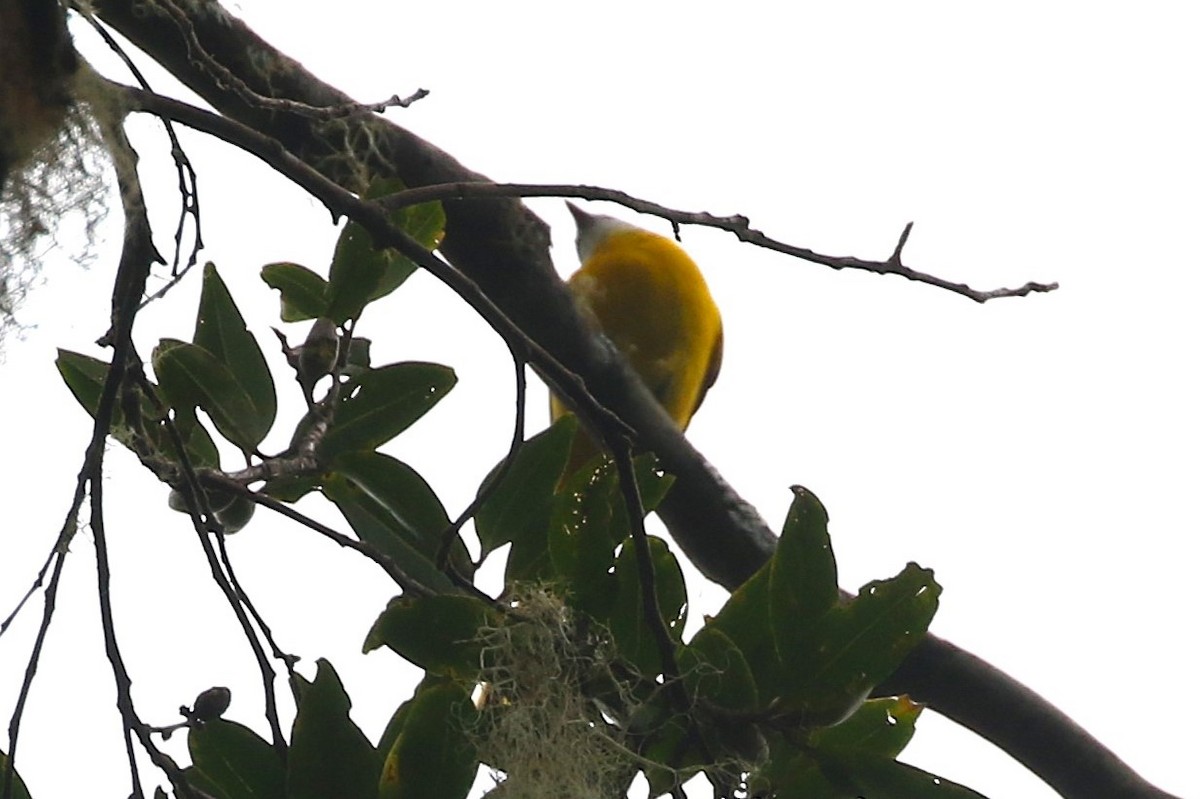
point(222, 75)
point(288, 661)
point(186, 175)
point(450, 534)
point(395, 571)
point(202, 519)
point(737, 224)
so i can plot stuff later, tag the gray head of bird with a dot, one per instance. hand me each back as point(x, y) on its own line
point(593, 229)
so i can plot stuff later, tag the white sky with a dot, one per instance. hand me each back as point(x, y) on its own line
point(1038, 453)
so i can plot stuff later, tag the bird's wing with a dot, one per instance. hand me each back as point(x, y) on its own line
point(714, 367)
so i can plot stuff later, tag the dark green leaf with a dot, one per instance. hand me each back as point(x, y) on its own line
point(358, 359)
point(881, 728)
point(717, 671)
point(856, 646)
point(374, 524)
point(438, 633)
point(803, 581)
point(418, 514)
point(793, 774)
point(432, 757)
point(396, 723)
point(236, 760)
point(329, 755)
point(887, 778)
point(361, 273)
point(19, 791)
point(519, 508)
point(627, 619)
point(236, 515)
point(745, 620)
point(196, 779)
point(668, 759)
point(290, 488)
point(405, 503)
point(200, 448)
point(85, 376)
point(384, 402)
point(581, 539)
point(595, 491)
point(426, 223)
point(590, 519)
point(221, 330)
point(302, 292)
point(191, 376)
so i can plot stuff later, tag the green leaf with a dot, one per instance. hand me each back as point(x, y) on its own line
point(384, 402)
point(85, 377)
point(197, 443)
point(432, 757)
point(417, 512)
point(881, 728)
point(235, 759)
point(793, 774)
point(374, 524)
point(196, 779)
point(803, 576)
point(191, 376)
point(290, 488)
point(627, 618)
point(745, 620)
point(715, 670)
point(19, 791)
point(590, 519)
point(400, 715)
point(438, 633)
point(581, 539)
point(358, 358)
point(888, 778)
point(329, 755)
point(519, 508)
point(670, 757)
point(360, 273)
point(221, 330)
point(404, 503)
point(302, 292)
point(426, 223)
point(856, 646)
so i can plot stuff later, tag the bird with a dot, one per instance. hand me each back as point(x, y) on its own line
point(647, 296)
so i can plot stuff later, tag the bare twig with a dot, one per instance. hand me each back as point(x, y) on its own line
point(410, 584)
point(202, 519)
point(737, 224)
point(450, 534)
point(224, 76)
point(188, 190)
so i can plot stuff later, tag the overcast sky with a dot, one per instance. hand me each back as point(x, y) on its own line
point(1039, 453)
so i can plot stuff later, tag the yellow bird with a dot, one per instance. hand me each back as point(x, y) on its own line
point(649, 298)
